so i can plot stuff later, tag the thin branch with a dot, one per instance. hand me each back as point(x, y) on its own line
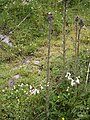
point(19, 24)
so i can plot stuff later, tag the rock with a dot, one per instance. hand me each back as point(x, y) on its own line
point(11, 83)
point(14, 79)
point(5, 39)
point(16, 76)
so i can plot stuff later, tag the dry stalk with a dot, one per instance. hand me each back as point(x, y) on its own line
point(50, 18)
point(64, 38)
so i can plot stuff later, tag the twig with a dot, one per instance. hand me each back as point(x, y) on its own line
point(19, 24)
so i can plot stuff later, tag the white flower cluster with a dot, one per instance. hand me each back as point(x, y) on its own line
point(34, 91)
point(73, 82)
point(26, 88)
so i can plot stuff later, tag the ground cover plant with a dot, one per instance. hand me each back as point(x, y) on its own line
point(45, 60)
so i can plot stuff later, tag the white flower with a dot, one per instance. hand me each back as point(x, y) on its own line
point(73, 83)
point(14, 87)
point(16, 90)
point(77, 80)
point(41, 87)
point(30, 87)
point(37, 91)
point(48, 84)
point(3, 90)
point(24, 91)
point(34, 91)
point(21, 84)
point(67, 89)
point(68, 74)
point(27, 85)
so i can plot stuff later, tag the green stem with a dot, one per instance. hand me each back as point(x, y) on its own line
point(64, 40)
point(48, 72)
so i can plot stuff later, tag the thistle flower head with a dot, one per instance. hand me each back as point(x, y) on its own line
point(81, 23)
point(76, 18)
point(50, 16)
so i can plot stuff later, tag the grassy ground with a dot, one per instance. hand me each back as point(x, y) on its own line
point(28, 56)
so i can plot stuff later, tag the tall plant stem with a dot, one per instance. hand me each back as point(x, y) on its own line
point(78, 46)
point(87, 76)
point(78, 50)
point(48, 71)
point(76, 64)
point(64, 39)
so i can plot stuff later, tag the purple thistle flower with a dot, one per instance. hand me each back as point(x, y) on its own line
point(76, 18)
point(81, 22)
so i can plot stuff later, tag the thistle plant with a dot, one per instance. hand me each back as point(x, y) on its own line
point(50, 19)
point(81, 24)
point(77, 44)
point(76, 26)
point(64, 38)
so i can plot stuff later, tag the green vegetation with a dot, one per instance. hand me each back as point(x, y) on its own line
point(23, 61)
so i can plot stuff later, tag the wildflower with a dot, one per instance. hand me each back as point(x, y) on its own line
point(3, 90)
point(37, 91)
point(24, 91)
point(14, 87)
point(76, 18)
point(27, 85)
point(41, 87)
point(11, 93)
point(58, 96)
point(34, 91)
point(77, 80)
point(48, 84)
point(16, 90)
point(73, 83)
point(30, 87)
point(68, 93)
point(67, 89)
point(68, 74)
point(18, 100)
point(50, 16)
point(21, 84)
point(63, 118)
point(81, 23)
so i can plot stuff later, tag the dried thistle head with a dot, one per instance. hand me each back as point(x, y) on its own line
point(50, 17)
point(76, 18)
point(81, 23)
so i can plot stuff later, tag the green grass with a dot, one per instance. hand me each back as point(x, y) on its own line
point(30, 45)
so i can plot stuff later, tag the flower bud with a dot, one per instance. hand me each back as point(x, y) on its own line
point(50, 16)
point(81, 23)
point(76, 18)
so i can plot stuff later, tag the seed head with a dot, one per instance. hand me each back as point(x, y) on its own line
point(50, 16)
point(81, 22)
point(76, 18)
